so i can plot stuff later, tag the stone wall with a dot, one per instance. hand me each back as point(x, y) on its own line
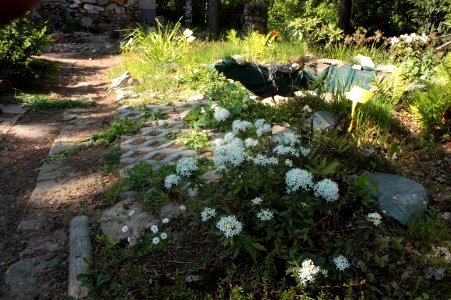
point(256, 17)
point(93, 15)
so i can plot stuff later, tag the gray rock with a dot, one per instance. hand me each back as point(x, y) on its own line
point(89, 1)
point(24, 279)
point(86, 22)
point(119, 81)
point(323, 120)
point(125, 213)
point(103, 2)
point(89, 7)
point(399, 197)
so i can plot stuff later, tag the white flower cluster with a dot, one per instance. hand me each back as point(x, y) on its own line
point(229, 225)
point(241, 126)
point(250, 143)
point(307, 109)
point(207, 213)
point(256, 201)
point(298, 178)
point(409, 38)
point(261, 160)
point(284, 150)
point(341, 262)
point(288, 162)
point(171, 180)
point(221, 114)
point(265, 215)
point(230, 150)
point(374, 218)
point(289, 138)
point(262, 127)
point(327, 189)
point(154, 229)
point(308, 271)
point(186, 166)
point(305, 151)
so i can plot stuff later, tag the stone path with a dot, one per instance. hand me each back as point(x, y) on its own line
point(39, 268)
point(151, 144)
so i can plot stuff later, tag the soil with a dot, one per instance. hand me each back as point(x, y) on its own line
point(21, 158)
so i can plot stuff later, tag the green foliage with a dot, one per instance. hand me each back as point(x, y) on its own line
point(111, 161)
point(162, 45)
point(194, 139)
point(253, 46)
point(314, 31)
point(38, 102)
point(115, 130)
point(431, 16)
point(429, 229)
point(63, 155)
point(432, 106)
point(123, 127)
point(19, 42)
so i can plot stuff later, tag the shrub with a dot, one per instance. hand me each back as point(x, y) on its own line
point(19, 42)
point(434, 106)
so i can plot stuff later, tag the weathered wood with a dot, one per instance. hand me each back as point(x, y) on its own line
point(79, 253)
point(213, 15)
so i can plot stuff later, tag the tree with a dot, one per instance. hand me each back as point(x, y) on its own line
point(188, 12)
point(213, 14)
point(344, 15)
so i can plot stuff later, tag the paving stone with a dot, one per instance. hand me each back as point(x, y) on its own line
point(50, 243)
point(113, 220)
point(399, 197)
point(24, 279)
point(323, 120)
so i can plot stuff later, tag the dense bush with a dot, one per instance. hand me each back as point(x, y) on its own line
point(19, 42)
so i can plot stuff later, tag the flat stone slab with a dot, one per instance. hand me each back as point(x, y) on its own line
point(24, 279)
point(399, 197)
point(125, 213)
point(323, 120)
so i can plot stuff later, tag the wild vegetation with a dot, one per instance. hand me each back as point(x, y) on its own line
point(287, 218)
point(292, 216)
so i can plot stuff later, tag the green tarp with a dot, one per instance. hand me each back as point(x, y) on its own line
point(338, 80)
point(265, 82)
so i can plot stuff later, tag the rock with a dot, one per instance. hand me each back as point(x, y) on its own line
point(120, 2)
point(90, 1)
point(102, 2)
point(86, 22)
point(111, 7)
point(49, 244)
point(399, 197)
point(239, 60)
point(333, 62)
point(364, 61)
point(24, 279)
point(437, 273)
point(119, 81)
point(323, 120)
point(113, 220)
point(119, 10)
point(89, 7)
point(277, 129)
point(170, 210)
point(386, 68)
point(73, 6)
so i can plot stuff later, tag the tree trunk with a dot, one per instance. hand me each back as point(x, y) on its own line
point(188, 12)
point(344, 15)
point(214, 7)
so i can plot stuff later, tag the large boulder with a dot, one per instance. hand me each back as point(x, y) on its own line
point(399, 197)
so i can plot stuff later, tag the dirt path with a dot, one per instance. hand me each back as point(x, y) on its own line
point(37, 200)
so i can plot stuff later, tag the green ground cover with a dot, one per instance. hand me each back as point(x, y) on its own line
point(285, 220)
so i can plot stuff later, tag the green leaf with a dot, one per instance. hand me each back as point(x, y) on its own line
point(258, 246)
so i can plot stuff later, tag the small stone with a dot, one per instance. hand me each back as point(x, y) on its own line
point(239, 60)
point(89, 7)
point(323, 120)
point(86, 22)
point(102, 2)
point(364, 61)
